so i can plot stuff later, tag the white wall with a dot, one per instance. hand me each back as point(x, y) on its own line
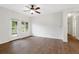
point(5, 26)
point(49, 26)
point(52, 26)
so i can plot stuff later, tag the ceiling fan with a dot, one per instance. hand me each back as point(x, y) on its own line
point(32, 8)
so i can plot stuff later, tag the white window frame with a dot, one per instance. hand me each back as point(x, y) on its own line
point(16, 28)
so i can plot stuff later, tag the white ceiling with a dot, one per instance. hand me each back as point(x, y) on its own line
point(45, 8)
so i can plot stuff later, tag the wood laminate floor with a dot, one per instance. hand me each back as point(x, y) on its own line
point(38, 45)
point(33, 45)
point(72, 46)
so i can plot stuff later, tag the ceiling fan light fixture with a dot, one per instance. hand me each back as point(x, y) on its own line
point(32, 12)
point(33, 9)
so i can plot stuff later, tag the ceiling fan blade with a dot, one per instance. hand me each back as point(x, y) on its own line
point(27, 7)
point(37, 8)
point(26, 10)
point(37, 12)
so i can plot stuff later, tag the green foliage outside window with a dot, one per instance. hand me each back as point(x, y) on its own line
point(14, 27)
point(24, 27)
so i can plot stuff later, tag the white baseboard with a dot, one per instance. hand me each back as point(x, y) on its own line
point(11, 40)
point(5, 41)
point(52, 37)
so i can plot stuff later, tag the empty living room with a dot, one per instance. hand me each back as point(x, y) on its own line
point(39, 28)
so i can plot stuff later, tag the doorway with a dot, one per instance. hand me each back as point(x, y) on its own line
point(73, 26)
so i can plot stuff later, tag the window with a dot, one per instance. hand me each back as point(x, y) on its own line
point(24, 27)
point(14, 27)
